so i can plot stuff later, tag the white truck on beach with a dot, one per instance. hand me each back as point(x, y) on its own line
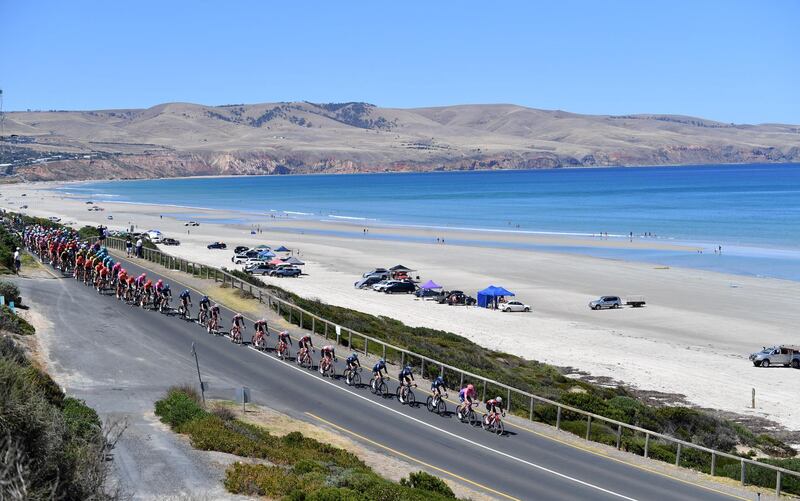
point(785, 355)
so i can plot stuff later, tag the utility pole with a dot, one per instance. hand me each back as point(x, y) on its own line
point(202, 386)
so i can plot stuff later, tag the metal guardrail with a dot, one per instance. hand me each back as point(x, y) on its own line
point(367, 344)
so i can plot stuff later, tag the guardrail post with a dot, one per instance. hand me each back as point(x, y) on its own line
point(646, 445)
point(422, 371)
point(509, 400)
point(619, 436)
point(349, 339)
point(484, 391)
point(558, 418)
point(441, 370)
point(678, 456)
point(713, 464)
point(366, 346)
point(384, 351)
point(530, 416)
point(301, 319)
point(461, 384)
point(743, 473)
point(588, 426)
point(314, 325)
point(326, 330)
point(279, 303)
point(403, 358)
point(338, 335)
point(778, 484)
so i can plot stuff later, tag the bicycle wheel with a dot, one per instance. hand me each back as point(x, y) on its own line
point(499, 428)
point(397, 393)
point(356, 379)
point(383, 389)
point(411, 400)
point(485, 423)
point(441, 407)
point(429, 403)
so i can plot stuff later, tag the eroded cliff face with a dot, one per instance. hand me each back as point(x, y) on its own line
point(147, 166)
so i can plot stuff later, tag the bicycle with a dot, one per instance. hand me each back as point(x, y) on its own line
point(260, 342)
point(183, 311)
point(213, 325)
point(236, 334)
point(378, 386)
point(327, 367)
point(282, 350)
point(405, 395)
point(304, 359)
point(202, 317)
point(352, 376)
point(163, 305)
point(436, 403)
point(492, 422)
point(466, 413)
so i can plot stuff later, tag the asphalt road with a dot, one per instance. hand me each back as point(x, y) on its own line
point(98, 333)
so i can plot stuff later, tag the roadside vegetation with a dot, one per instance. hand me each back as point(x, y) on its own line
point(51, 446)
point(290, 467)
point(9, 241)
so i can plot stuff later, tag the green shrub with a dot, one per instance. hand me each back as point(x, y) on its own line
point(178, 408)
point(12, 322)
point(10, 291)
point(427, 482)
point(334, 494)
point(259, 480)
point(81, 419)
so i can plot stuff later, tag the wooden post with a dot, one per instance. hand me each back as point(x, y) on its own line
point(558, 418)
point(530, 416)
point(326, 330)
point(778, 484)
point(753, 396)
point(509, 401)
point(588, 426)
point(422, 370)
point(461, 384)
point(314, 325)
point(384, 351)
point(713, 464)
point(366, 346)
point(619, 436)
point(483, 398)
point(743, 473)
point(646, 445)
point(678, 456)
point(349, 339)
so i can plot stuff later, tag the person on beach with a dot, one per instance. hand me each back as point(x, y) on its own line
point(128, 247)
point(139, 245)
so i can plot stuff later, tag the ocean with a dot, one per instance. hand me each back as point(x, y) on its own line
point(752, 211)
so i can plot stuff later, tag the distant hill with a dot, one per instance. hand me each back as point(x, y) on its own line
point(184, 139)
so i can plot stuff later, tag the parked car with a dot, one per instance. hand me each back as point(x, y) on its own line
point(109, 217)
point(375, 271)
point(260, 269)
point(453, 298)
point(286, 271)
point(192, 223)
point(23, 207)
point(170, 241)
point(400, 288)
point(89, 202)
point(253, 261)
point(240, 249)
point(217, 245)
point(427, 293)
point(244, 256)
point(54, 219)
point(514, 306)
point(383, 284)
point(368, 281)
point(785, 355)
point(606, 302)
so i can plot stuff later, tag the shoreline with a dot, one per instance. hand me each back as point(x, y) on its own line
point(698, 325)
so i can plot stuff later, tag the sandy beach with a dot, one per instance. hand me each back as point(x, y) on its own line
point(692, 339)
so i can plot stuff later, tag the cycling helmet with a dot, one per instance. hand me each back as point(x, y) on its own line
point(185, 291)
point(205, 298)
point(470, 387)
point(381, 361)
point(354, 355)
point(160, 281)
point(499, 399)
point(166, 287)
point(408, 367)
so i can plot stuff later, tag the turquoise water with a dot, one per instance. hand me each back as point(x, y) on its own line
point(752, 211)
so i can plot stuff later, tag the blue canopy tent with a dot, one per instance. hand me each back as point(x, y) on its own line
point(281, 249)
point(430, 284)
point(266, 254)
point(487, 298)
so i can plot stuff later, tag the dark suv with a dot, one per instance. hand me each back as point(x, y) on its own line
point(285, 272)
point(400, 287)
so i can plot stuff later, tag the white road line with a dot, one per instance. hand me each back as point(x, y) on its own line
point(450, 434)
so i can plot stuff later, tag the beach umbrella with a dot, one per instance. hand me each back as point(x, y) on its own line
point(276, 261)
point(430, 284)
point(282, 249)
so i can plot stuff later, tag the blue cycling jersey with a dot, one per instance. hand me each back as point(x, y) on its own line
point(405, 373)
point(439, 381)
point(379, 366)
point(185, 294)
point(351, 359)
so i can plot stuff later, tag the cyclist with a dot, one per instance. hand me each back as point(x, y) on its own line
point(147, 292)
point(130, 285)
point(260, 328)
point(465, 396)
point(213, 322)
point(303, 346)
point(236, 328)
point(353, 362)
point(121, 281)
point(437, 387)
point(494, 406)
point(166, 295)
point(284, 341)
point(205, 306)
point(379, 369)
point(328, 354)
point(186, 301)
point(102, 281)
point(78, 265)
point(406, 375)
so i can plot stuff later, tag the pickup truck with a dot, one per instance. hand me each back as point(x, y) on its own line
point(784, 355)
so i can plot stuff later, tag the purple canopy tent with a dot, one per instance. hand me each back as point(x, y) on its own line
point(430, 284)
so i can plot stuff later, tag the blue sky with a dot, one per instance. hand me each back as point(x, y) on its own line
point(731, 60)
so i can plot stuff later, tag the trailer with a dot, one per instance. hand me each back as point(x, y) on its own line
point(635, 301)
